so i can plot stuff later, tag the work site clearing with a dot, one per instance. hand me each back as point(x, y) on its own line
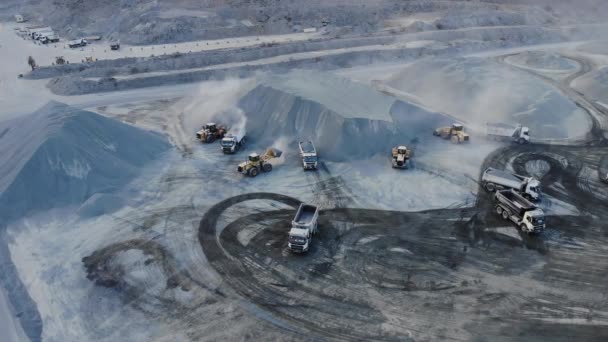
point(202, 171)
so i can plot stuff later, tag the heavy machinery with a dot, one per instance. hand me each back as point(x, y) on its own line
point(493, 180)
point(499, 131)
point(77, 43)
point(510, 205)
point(89, 59)
point(59, 60)
point(114, 46)
point(455, 133)
point(303, 227)
point(400, 157)
point(308, 153)
point(256, 163)
point(232, 141)
point(211, 132)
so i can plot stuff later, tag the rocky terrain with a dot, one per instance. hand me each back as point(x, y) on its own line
point(116, 223)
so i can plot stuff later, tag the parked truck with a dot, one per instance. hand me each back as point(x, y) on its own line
point(519, 134)
point(232, 141)
point(77, 43)
point(493, 180)
point(48, 38)
point(510, 205)
point(308, 153)
point(303, 227)
point(400, 157)
point(256, 163)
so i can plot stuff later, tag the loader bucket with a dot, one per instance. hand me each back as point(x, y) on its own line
point(273, 152)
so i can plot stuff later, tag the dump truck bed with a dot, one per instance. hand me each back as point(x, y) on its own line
point(307, 147)
point(305, 215)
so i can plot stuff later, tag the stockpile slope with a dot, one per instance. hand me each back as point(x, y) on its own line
point(60, 156)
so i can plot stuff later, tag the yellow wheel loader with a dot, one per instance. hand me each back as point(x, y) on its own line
point(256, 163)
point(455, 133)
point(400, 157)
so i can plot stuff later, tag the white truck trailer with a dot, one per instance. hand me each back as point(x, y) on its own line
point(303, 227)
point(33, 31)
point(77, 43)
point(519, 134)
point(510, 205)
point(493, 180)
point(308, 153)
point(232, 141)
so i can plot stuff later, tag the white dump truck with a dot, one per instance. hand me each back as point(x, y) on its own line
point(500, 131)
point(35, 31)
point(48, 37)
point(493, 180)
point(308, 153)
point(77, 43)
point(510, 205)
point(232, 141)
point(303, 227)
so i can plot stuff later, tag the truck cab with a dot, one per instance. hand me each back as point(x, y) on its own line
point(299, 240)
point(534, 221)
point(308, 153)
point(532, 190)
point(521, 134)
point(228, 144)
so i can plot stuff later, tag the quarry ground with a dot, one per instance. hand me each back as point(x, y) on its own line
point(196, 251)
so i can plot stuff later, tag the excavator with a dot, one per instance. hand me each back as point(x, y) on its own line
point(455, 133)
point(256, 163)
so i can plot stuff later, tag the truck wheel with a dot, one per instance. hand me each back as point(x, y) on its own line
point(253, 171)
point(499, 210)
point(505, 214)
point(267, 167)
point(521, 141)
point(490, 187)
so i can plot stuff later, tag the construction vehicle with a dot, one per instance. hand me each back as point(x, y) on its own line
point(89, 59)
point(308, 153)
point(211, 132)
point(19, 18)
point(77, 43)
point(59, 60)
point(115, 46)
point(48, 38)
point(455, 133)
point(34, 31)
point(512, 206)
point(400, 157)
point(40, 34)
point(232, 141)
point(303, 227)
point(494, 180)
point(256, 163)
point(500, 131)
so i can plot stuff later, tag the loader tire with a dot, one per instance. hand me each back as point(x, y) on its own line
point(490, 187)
point(267, 167)
point(455, 139)
point(521, 141)
point(253, 171)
